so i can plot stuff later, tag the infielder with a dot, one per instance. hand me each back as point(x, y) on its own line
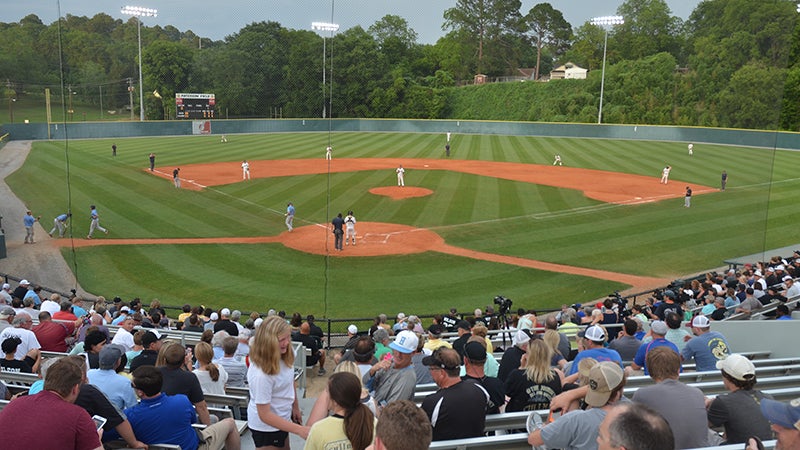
point(665, 174)
point(176, 177)
point(557, 160)
point(59, 223)
point(691, 149)
point(245, 170)
point(687, 201)
point(289, 216)
point(350, 228)
point(328, 153)
point(400, 172)
point(95, 223)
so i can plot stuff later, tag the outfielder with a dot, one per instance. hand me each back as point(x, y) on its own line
point(400, 172)
point(557, 160)
point(691, 149)
point(665, 175)
point(328, 153)
point(245, 170)
point(350, 228)
point(289, 216)
point(95, 223)
point(59, 223)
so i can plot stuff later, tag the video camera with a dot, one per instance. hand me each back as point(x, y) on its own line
point(503, 304)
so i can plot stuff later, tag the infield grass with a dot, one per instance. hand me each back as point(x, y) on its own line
point(663, 239)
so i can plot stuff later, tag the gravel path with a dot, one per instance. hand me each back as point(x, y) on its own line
point(40, 263)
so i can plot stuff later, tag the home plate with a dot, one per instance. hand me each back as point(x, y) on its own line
point(637, 198)
point(426, 165)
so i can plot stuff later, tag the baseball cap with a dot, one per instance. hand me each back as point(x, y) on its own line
point(125, 308)
point(6, 286)
point(669, 293)
point(401, 316)
point(699, 322)
point(522, 337)
point(352, 329)
point(738, 367)
point(475, 352)
point(225, 312)
point(435, 329)
point(257, 322)
point(786, 415)
point(151, 336)
point(770, 269)
point(109, 355)
point(787, 278)
point(757, 273)
point(595, 333)
point(464, 325)
point(659, 327)
point(604, 377)
point(7, 312)
point(405, 342)
point(24, 283)
point(214, 316)
point(444, 360)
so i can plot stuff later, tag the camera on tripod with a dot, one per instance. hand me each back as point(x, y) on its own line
point(503, 304)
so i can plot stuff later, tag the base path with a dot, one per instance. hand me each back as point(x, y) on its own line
point(610, 187)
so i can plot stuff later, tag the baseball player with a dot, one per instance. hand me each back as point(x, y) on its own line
point(289, 216)
point(691, 149)
point(350, 228)
point(95, 223)
point(400, 172)
point(665, 174)
point(687, 200)
point(448, 137)
point(176, 177)
point(59, 223)
point(328, 153)
point(223, 139)
point(557, 160)
point(245, 170)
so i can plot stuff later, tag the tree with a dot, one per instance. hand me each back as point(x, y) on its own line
point(485, 21)
point(166, 67)
point(649, 28)
point(549, 29)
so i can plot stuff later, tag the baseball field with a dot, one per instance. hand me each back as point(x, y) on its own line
point(496, 218)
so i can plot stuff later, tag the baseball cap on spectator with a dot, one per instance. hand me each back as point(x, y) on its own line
point(214, 316)
point(125, 309)
point(7, 312)
point(443, 362)
point(24, 283)
point(352, 329)
point(770, 269)
point(6, 286)
point(464, 325)
point(659, 327)
point(780, 267)
point(109, 356)
point(225, 312)
point(595, 333)
point(738, 367)
point(150, 337)
point(405, 342)
point(786, 415)
point(474, 351)
point(257, 322)
point(787, 278)
point(699, 322)
point(604, 377)
point(401, 316)
point(757, 273)
point(670, 294)
point(436, 329)
point(522, 337)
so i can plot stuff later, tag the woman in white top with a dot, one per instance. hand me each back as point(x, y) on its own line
point(273, 411)
point(211, 376)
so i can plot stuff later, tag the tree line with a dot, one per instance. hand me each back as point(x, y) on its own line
point(732, 63)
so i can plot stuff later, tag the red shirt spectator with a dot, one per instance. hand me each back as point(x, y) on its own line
point(52, 336)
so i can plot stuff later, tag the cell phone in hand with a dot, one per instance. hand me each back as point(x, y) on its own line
point(99, 421)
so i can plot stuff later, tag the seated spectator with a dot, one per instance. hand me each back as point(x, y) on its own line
point(152, 341)
point(235, 368)
point(782, 313)
point(706, 347)
point(137, 348)
point(7, 315)
point(216, 343)
point(658, 330)
point(400, 323)
point(363, 354)
point(115, 386)
point(473, 369)
point(224, 323)
point(193, 323)
point(54, 336)
point(738, 410)
point(28, 364)
point(435, 338)
point(381, 339)
point(633, 426)
point(316, 355)
point(21, 328)
point(51, 305)
point(92, 346)
point(65, 312)
point(352, 337)
point(390, 379)
point(626, 343)
point(95, 320)
point(402, 426)
point(178, 379)
point(458, 409)
point(464, 331)
point(212, 377)
point(167, 419)
point(513, 356)
point(479, 329)
point(124, 335)
point(594, 338)
point(530, 388)
point(352, 424)
point(316, 331)
point(785, 420)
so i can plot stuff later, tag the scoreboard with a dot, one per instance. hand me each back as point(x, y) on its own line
point(194, 106)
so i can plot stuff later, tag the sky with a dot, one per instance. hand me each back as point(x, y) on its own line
point(216, 19)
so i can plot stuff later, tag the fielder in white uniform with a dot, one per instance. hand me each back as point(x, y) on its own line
point(245, 170)
point(350, 228)
point(400, 172)
point(557, 160)
point(665, 174)
point(328, 153)
point(691, 149)
point(448, 136)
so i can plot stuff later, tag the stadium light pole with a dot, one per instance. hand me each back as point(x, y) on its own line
point(332, 28)
point(605, 22)
point(140, 12)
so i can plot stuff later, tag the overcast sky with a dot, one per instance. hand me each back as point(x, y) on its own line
point(216, 19)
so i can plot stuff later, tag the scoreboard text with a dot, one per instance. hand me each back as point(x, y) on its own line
point(194, 106)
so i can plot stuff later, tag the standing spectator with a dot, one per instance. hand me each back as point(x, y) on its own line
point(235, 368)
point(273, 411)
point(352, 424)
point(738, 410)
point(402, 426)
point(681, 405)
point(21, 328)
point(458, 409)
point(115, 386)
point(635, 427)
point(95, 225)
point(626, 343)
point(60, 224)
point(29, 221)
point(68, 425)
point(53, 336)
point(394, 379)
point(532, 386)
point(212, 377)
point(706, 347)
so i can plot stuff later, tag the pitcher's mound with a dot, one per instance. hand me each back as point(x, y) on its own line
point(399, 193)
point(373, 239)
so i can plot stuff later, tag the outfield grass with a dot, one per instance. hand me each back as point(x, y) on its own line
point(661, 239)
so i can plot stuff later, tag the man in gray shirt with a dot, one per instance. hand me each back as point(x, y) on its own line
point(682, 406)
point(626, 344)
point(394, 379)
